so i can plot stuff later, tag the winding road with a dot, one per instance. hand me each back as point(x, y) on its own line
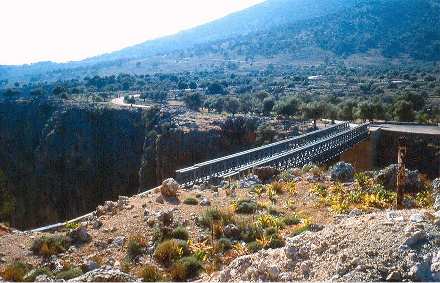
point(119, 101)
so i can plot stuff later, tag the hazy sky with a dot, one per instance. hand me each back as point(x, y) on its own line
point(64, 30)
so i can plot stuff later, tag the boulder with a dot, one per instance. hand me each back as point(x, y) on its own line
point(103, 275)
point(119, 241)
point(231, 231)
point(250, 182)
point(342, 172)
point(205, 202)
point(165, 217)
point(265, 173)
point(388, 178)
point(80, 235)
point(169, 188)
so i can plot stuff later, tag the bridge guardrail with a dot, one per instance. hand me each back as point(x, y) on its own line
point(216, 167)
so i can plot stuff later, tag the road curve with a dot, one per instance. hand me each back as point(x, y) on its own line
point(119, 101)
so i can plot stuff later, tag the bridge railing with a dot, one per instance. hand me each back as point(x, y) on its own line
point(231, 163)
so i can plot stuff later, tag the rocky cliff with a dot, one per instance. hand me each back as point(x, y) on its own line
point(60, 160)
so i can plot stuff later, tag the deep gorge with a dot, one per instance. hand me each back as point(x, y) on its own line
point(60, 160)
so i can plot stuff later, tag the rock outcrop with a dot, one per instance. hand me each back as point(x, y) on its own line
point(371, 247)
point(104, 275)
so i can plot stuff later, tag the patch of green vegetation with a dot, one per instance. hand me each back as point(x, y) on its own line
point(191, 201)
point(50, 245)
point(212, 215)
point(170, 250)
point(135, 247)
point(180, 233)
point(15, 271)
point(151, 273)
point(246, 206)
point(185, 268)
point(70, 273)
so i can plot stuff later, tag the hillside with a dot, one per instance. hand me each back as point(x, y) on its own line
point(394, 28)
point(284, 29)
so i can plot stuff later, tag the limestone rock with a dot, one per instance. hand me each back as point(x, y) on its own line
point(265, 173)
point(103, 275)
point(169, 188)
point(231, 231)
point(165, 217)
point(119, 241)
point(388, 177)
point(80, 235)
point(342, 172)
point(205, 202)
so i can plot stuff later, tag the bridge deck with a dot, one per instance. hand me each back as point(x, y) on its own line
point(278, 154)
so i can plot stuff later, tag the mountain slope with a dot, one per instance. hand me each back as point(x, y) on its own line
point(391, 28)
point(266, 15)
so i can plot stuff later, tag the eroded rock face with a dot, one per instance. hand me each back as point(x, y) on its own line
point(53, 153)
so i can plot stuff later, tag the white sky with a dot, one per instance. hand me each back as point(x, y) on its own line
point(65, 30)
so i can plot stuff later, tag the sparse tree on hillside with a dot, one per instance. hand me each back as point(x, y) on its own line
point(314, 111)
point(404, 111)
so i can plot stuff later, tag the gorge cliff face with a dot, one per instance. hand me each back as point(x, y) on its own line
point(58, 160)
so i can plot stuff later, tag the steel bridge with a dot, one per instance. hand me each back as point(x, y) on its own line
point(317, 147)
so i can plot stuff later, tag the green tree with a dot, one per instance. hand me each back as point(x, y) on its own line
point(404, 111)
point(268, 104)
point(314, 111)
point(193, 100)
point(287, 107)
point(232, 105)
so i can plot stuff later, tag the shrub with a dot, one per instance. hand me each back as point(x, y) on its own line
point(276, 241)
point(287, 175)
point(292, 219)
point(253, 247)
point(425, 199)
point(180, 233)
point(223, 245)
point(267, 220)
point(274, 211)
point(162, 233)
point(151, 273)
point(170, 250)
point(50, 245)
point(301, 229)
point(185, 268)
point(135, 246)
point(191, 201)
point(30, 276)
point(249, 231)
point(278, 187)
point(15, 271)
point(69, 273)
point(212, 215)
point(246, 206)
point(319, 190)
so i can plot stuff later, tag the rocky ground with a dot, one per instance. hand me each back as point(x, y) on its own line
point(382, 246)
point(364, 243)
